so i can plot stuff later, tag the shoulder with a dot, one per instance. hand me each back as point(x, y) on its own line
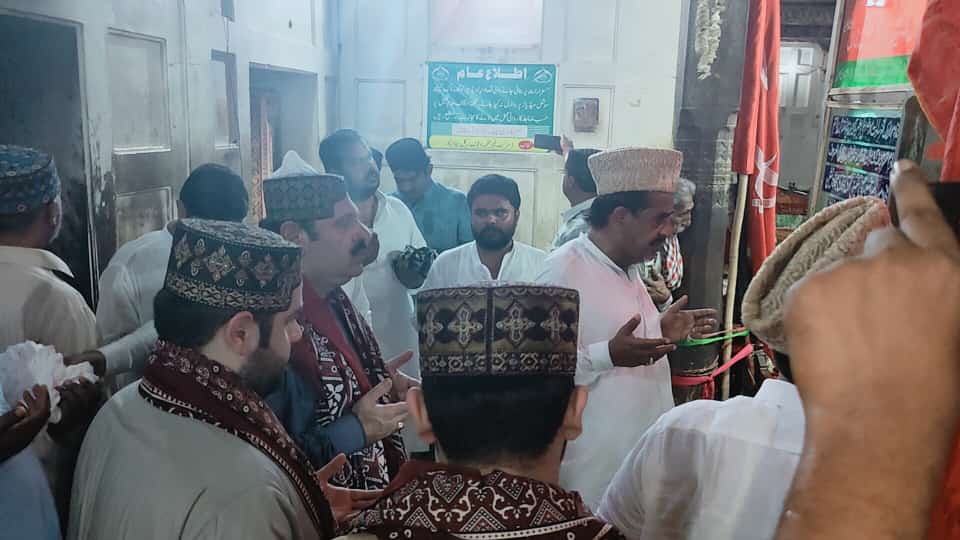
point(560, 264)
point(453, 254)
point(530, 251)
point(712, 420)
point(147, 245)
point(398, 208)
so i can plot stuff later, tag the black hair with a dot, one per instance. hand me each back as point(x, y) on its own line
point(213, 191)
point(487, 420)
point(604, 205)
point(18, 223)
point(407, 155)
point(274, 226)
point(495, 184)
point(782, 361)
point(332, 148)
point(191, 325)
point(576, 167)
point(377, 158)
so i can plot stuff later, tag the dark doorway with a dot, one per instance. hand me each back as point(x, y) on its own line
point(283, 106)
point(40, 106)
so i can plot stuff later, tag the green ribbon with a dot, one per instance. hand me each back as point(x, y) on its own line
point(707, 341)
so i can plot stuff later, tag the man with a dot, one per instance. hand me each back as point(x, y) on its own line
point(580, 189)
point(711, 469)
point(441, 212)
point(500, 406)
point(334, 397)
point(37, 304)
point(495, 210)
point(193, 451)
point(623, 336)
point(663, 274)
point(346, 153)
point(135, 275)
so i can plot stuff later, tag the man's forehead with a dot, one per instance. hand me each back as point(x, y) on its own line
point(357, 148)
point(491, 200)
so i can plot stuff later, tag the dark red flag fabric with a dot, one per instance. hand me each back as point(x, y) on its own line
point(756, 143)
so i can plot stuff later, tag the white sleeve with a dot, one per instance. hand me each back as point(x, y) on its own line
point(654, 494)
point(130, 352)
point(127, 340)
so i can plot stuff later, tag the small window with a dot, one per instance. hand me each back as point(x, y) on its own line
point(226, 9)
point(224, 76)
point(469, 24)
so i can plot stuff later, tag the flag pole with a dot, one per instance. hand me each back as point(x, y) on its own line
point(743, 184)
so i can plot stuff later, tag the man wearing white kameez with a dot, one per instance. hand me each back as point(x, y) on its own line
point(710, 469)
point(624, 337)
point(494, 202)
point(135, 275)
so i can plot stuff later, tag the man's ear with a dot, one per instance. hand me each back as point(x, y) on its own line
point(572, 425)
point(619, 214)
point(241, 334)
point(418, 410)
point(291, 231)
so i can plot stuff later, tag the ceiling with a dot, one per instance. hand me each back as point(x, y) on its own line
point(807, 20)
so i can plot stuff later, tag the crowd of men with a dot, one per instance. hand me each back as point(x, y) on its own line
point(375, 365)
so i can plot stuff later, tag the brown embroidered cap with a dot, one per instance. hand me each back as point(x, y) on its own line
point(228, 265)
point(296, 191)
point(498, 329)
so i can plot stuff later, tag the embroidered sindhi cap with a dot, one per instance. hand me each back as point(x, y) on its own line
point(833, 234)
point(636, 169)
point(231, 266)
point(297, 191)
point(28, 179)
point(496, 329)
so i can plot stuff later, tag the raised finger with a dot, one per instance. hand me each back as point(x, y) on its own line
point(333, 467)
point(399, 361)
point(920, 218)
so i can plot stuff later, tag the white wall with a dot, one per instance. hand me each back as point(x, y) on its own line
point(624, 52)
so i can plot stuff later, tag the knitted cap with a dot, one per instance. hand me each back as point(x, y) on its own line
point(636, 169)
point(833, 234)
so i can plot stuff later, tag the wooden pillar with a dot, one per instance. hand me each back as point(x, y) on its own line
point(712, 74)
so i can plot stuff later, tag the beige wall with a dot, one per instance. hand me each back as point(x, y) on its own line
point(623, 52)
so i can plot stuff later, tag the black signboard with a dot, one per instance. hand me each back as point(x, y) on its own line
point(860, 153)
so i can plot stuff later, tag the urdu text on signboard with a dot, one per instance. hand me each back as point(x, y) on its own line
point(489, 107)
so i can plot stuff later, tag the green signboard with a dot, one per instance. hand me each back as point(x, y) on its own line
point(491, 107)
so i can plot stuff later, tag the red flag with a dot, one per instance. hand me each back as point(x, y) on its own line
point(756, 142)
point(935, 73)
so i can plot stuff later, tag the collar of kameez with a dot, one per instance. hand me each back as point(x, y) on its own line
point(38, 258)
point(431, 499)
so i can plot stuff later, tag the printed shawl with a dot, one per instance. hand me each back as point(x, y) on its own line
point(340, 358)
point(186, 383)
point(429, 500)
